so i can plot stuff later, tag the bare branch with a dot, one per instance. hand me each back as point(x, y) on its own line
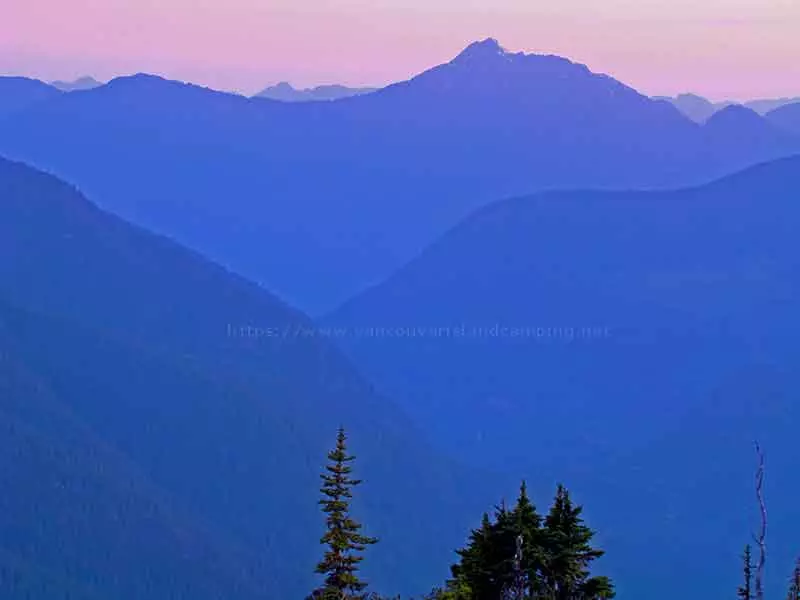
point(760, 539)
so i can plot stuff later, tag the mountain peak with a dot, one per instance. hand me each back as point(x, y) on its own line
point(80, 84)
point(736, 115)
point(689, 96)
point(286, 92)
point(486, 49)
point(137, 79)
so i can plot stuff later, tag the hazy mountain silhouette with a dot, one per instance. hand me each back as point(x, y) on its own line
point(17, 93)
point(80, 84)
point(285, 92)
point(633, 343)
point(700, 109)
point(697, 108)
point(767, 105)
point(352, 189)
point(746, 132)
point(194, 393)
point(786, 118)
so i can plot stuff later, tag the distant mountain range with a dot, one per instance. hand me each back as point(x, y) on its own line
point(700, 109)
point(633, 343)
point(165, 422)
point(740, 126)
point(285, 92)
point(20, 93)
point(352, 189)
point(80, 84)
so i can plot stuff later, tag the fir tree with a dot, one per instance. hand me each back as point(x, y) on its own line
point(474, 576)
point(568, 554)
point(343, 535)
point(746, 590)
point(477, 576)
point(525, 523)
point(794, 587)
point(554, 562)
point(488, 569)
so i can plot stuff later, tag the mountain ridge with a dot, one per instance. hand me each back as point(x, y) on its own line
point(786, 117)
point(700, 109)
point(285, 92)
point(20, 93)
point(393, 169)
point(80, 84)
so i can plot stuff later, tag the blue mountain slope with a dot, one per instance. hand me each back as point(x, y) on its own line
point(18, 93)
point(352, 189)
point(635, 343)
point(787, 118)
point(218, 395)
point(80, 519)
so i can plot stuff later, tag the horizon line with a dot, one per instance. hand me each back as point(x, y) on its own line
point(377, 86)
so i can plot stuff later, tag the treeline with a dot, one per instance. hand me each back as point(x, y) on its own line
point(515, 553)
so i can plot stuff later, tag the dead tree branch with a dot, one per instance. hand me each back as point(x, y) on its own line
point(760, 539)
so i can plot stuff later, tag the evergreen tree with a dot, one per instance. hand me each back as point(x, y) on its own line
point(343, 535)
point(487, 570)
point(568, 555)
point(554, 562)
point(794, 587)
point(746, 590)
point(525, 523)
point(473, 576)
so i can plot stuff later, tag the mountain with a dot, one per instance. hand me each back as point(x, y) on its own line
point(632, 343)
point(80, 84)
point(81, 520)
point(701, 109)
point(697, 108)
point(192, 411)
point(17, 93)
point(767, 105)
point(746, 132)
point(285, 92)
point(352, 189)
point(786, 118)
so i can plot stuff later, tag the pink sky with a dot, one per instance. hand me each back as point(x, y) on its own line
point(721, 48)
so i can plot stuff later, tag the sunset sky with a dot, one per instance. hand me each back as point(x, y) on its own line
point(721, 48)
